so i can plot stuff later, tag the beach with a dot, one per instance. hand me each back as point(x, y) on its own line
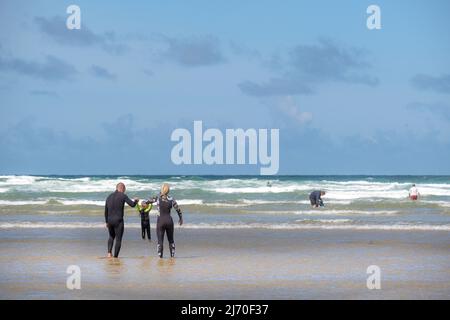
point(301, 149)
point(227, 264)
point(241, 238)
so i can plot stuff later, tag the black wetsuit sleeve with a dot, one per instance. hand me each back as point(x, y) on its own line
point(130, 202)
point(106, 211)
point(176, 207)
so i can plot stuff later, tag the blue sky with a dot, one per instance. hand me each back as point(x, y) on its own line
point(105, 99)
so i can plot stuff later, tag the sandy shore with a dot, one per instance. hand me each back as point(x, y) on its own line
point(226, 264)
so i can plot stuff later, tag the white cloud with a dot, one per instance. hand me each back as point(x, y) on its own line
point(290, 107)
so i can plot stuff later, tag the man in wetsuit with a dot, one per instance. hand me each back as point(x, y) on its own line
point(114, 207)
point(315, 198)
point(164, 222)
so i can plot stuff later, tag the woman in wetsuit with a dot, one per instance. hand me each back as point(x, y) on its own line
point(164, 222)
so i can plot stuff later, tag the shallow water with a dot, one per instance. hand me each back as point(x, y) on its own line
point(226, 264)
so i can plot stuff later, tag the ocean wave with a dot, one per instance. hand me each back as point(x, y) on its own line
point(81, 202)
point(323, 221)
point(19, 180)
point(22, 203)
point(73, 185)
point(262, 189)
point(234, 226)
point(270, 202)
point(188, 202)
point(259, 202)
point(56, 225)
point(225, 204)
point(248, 203)
point(202, 189)
point(359, 182)
point(445, 204)
point(433, 191)
point(50, 202)
point(322, 211)
point(285, 226)
point(356, 195)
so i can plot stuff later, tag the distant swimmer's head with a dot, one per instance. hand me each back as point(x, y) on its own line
point(322, 193)
point(121, 187)
point(414, 185)
point(165, 189)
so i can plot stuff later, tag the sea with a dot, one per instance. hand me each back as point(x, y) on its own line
point(233, 202)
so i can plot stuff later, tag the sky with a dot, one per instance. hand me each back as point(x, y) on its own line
point(105, 99)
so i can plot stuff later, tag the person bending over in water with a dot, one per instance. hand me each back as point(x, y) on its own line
point(316, 198)
point(164, 222)
point(114, 207)
point(414, 193)
point(144, 209)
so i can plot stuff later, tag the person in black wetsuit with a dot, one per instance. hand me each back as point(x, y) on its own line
point(164, 222)
point(315, 198)
point(114, 207)
point(144, 210)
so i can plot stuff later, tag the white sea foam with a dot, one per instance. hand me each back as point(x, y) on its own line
point(248, 203)
point(439, 203)
point(234, 226)
point(263, 189)
point(336, 190)
point(434, 191)
point(187, 202)
point(269, 202)
point(342, 191)
point(54, 225)
point(324, 221)
point(50, 201)
point(226, 204)
point(81, 202)
point(20, 180)
point(74, 185)
point(22, 203)
point(325, 212)
point(355, 195)
point(285, 226)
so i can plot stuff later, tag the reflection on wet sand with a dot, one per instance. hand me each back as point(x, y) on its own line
point(230, 265)
point(147, 262)
point(114, 266)
point(166, 265)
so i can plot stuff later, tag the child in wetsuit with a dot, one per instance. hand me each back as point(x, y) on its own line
point(144, 209)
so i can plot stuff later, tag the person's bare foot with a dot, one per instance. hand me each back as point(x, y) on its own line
point(109, 255)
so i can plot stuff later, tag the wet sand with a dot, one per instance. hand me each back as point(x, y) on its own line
point(226, 264)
